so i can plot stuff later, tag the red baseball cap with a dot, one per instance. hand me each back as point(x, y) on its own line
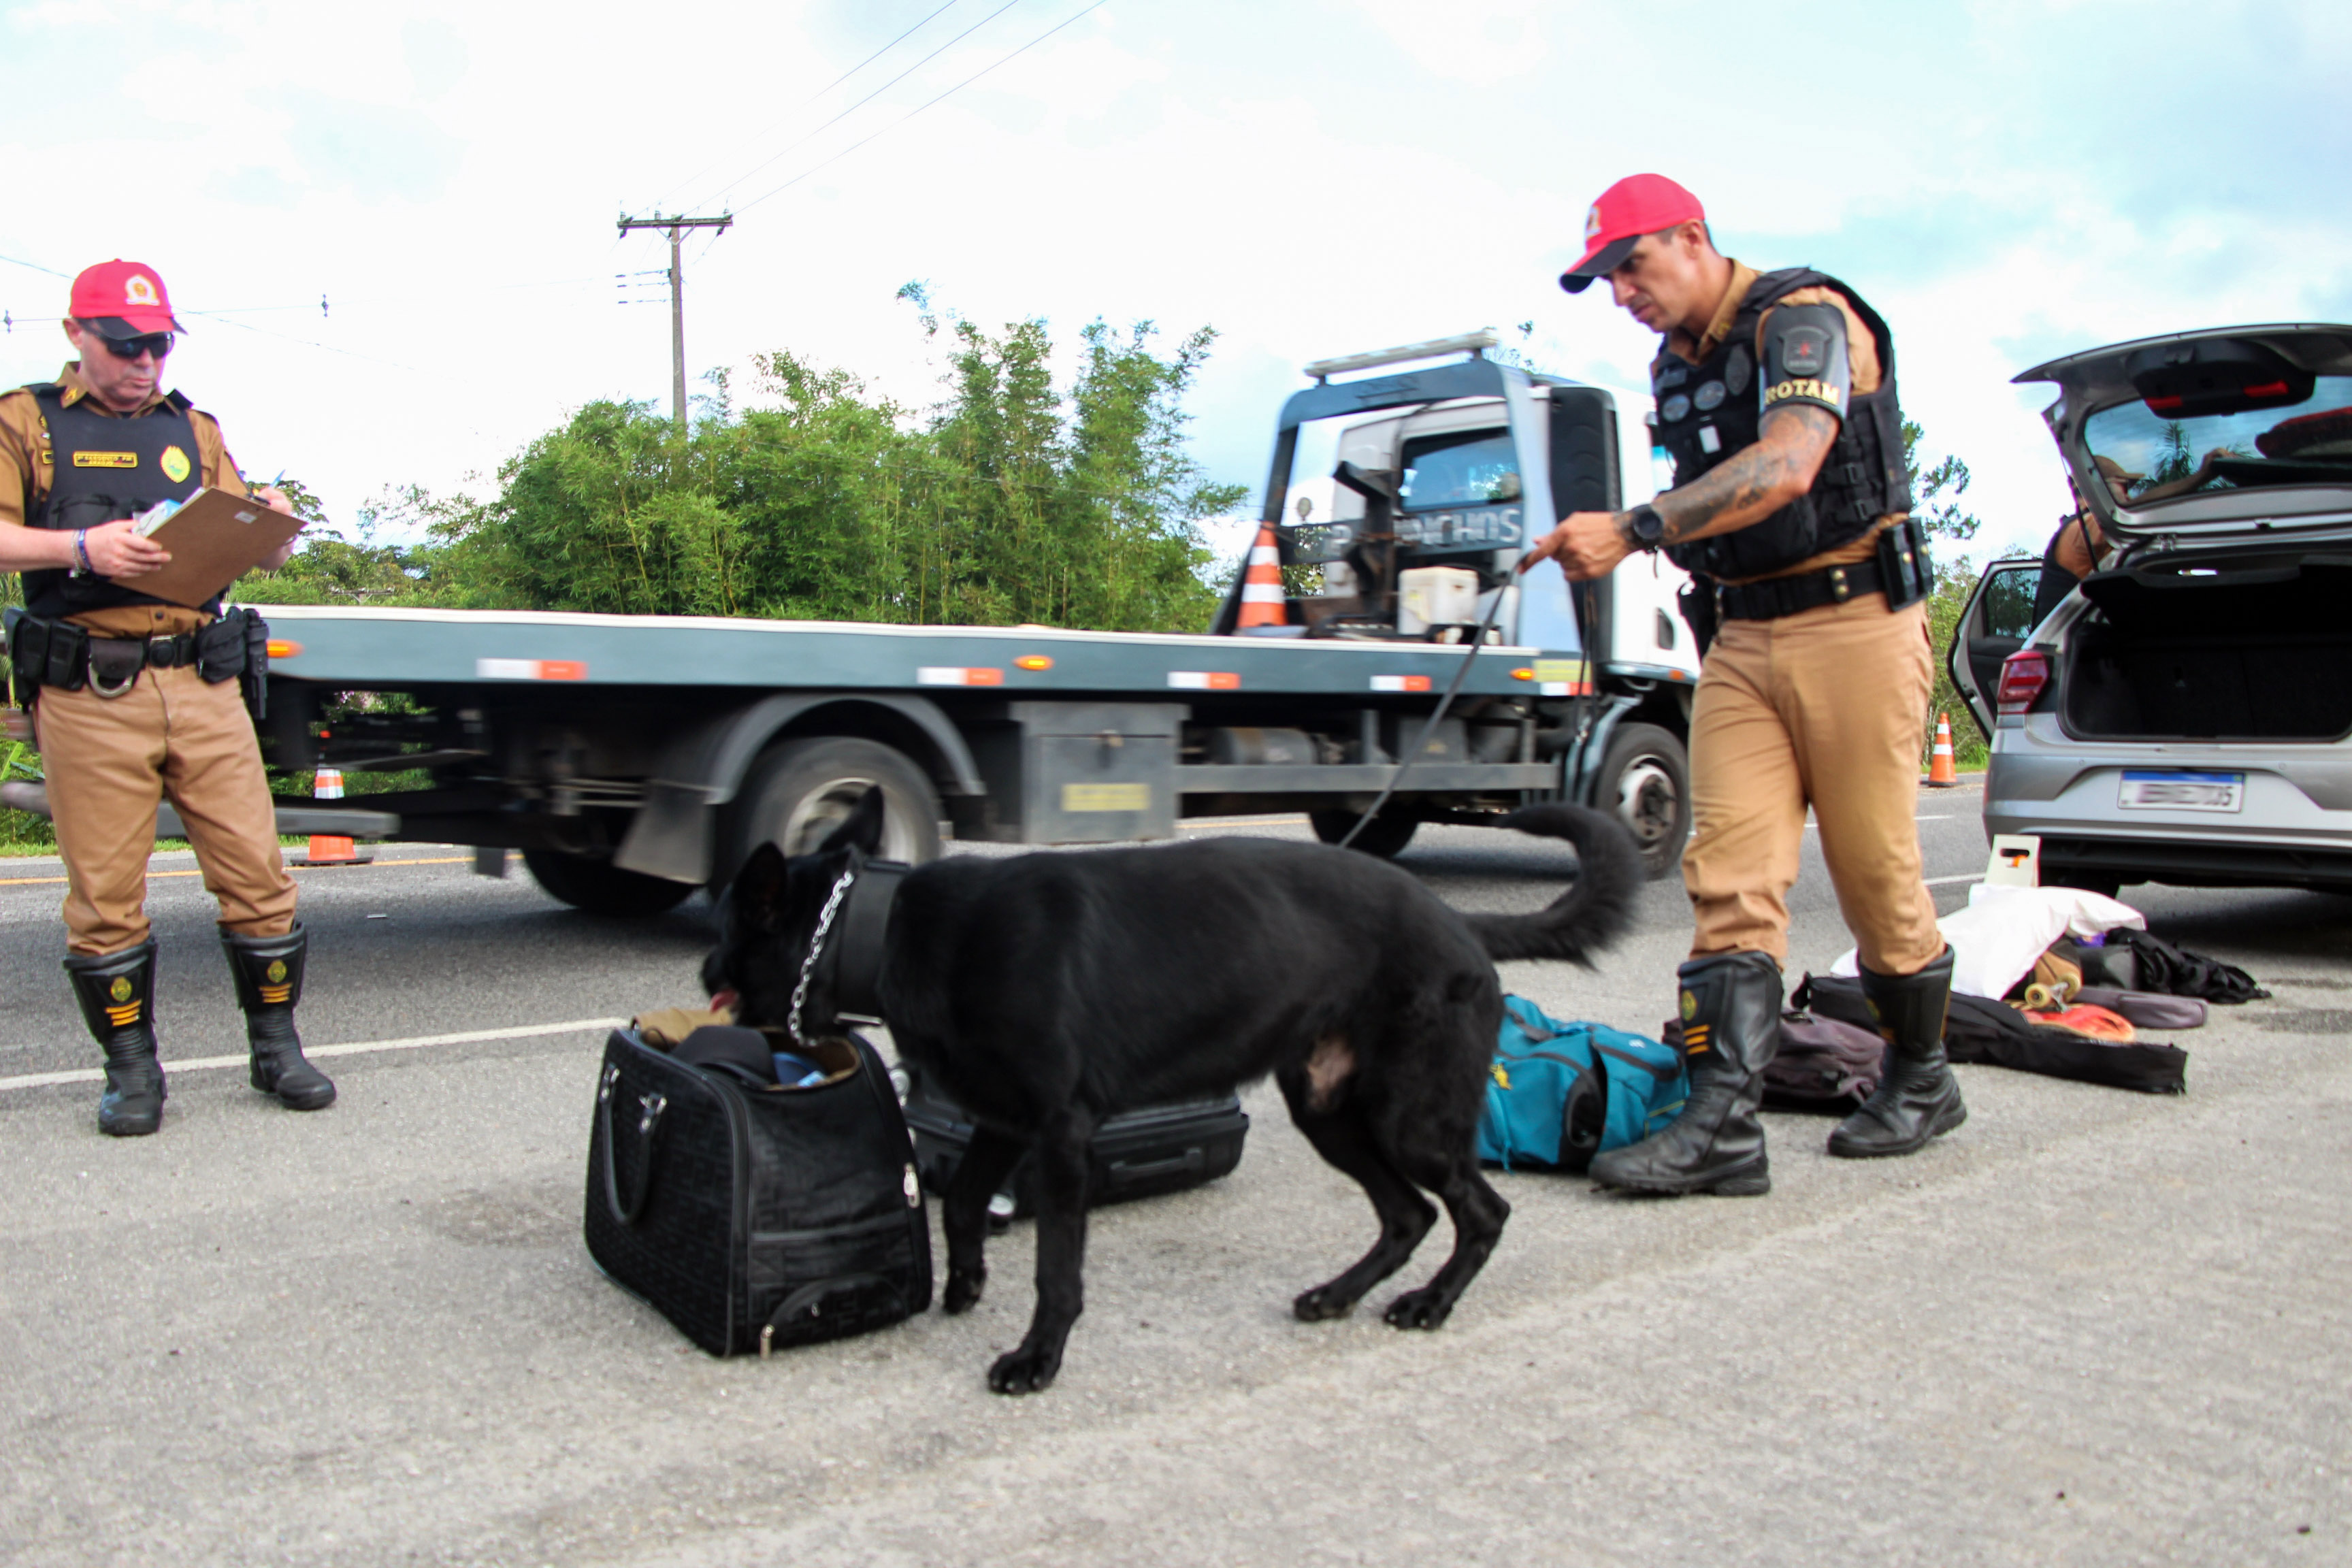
point(123, 299)
point(1634, 206)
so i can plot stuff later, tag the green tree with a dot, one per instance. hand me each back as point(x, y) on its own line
point(1936, 493)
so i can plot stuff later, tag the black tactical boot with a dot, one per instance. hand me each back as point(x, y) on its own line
point(269, 971)
point(1918, 1096)
point(1731, 1024)
point(117, 993)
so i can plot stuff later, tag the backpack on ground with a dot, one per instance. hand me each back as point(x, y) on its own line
point(1559, 1093)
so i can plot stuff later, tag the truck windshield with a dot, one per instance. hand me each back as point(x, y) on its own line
point(2145, 456)
point(1467, 467)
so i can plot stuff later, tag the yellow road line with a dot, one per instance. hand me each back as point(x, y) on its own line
point(432, 860)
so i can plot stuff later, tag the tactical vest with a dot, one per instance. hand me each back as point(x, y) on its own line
point(1710, 410)
point(101, 468)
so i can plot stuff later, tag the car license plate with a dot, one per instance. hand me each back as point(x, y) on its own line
point(2152, 791)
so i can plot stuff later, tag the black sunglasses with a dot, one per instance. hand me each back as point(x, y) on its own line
point(156, 343)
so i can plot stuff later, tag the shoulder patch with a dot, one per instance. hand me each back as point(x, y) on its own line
point(1804, 351)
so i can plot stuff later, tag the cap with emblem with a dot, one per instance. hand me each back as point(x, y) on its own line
point(123, 299)
point(1634, 206)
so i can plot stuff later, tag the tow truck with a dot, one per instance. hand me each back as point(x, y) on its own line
point(633, 759)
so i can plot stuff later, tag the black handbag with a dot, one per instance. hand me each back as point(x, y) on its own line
point(1137, 1155)
point(755, 1217)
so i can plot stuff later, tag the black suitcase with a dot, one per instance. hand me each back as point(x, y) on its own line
point(1140, 1155)
point(756, 1217)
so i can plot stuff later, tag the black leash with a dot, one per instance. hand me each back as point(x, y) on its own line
point(1428, 726)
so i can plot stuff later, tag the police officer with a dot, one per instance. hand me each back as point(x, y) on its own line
point(134, 699)
point(1776, 400)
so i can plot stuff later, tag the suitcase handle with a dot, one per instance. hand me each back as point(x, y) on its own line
point(1191, 1159)
point(650, 1107)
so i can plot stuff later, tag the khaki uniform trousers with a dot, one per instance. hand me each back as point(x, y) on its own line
point(110, 762)
point(1824, 709)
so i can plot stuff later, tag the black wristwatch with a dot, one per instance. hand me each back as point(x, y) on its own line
point(1645, 528)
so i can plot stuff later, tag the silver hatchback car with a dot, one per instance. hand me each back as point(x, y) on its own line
point(2183, 715)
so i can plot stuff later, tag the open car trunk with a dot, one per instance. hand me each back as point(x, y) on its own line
point(2246, 648)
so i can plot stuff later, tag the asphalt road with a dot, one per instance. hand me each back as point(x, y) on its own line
point(2089, 1328)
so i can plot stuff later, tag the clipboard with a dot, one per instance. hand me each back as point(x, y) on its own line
point(215, 538)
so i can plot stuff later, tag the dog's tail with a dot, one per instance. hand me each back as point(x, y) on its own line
point(1590, 915)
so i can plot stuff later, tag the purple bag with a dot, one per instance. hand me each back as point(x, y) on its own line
point(1819, 1065)
point(2148, 1009)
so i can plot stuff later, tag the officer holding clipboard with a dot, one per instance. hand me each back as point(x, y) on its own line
point(136, 698)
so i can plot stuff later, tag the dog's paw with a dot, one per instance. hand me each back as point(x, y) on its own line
point(962, 1290)
point(1024, 1371)
point(1322, 1304)
point(1423, 1308)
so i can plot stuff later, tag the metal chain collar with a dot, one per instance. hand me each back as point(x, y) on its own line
point(815, 948)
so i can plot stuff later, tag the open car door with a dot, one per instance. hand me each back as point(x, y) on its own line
point(1999, 618)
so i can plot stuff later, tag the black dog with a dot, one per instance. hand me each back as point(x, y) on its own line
point(1049, 991)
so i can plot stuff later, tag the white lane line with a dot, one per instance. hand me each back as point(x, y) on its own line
point(414, 1042)
point(1940, 881)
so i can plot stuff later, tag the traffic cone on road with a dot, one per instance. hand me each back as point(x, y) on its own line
point(329, 848)
point(1262, 598)
point(1940, 773)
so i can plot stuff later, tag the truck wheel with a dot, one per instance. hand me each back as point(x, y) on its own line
point(1385, 836)
point(601, 887)
point(1644, 783)
point(799, 791)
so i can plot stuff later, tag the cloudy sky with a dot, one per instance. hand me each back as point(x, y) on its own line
point(2004, 181)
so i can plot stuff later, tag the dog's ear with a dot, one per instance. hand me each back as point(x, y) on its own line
point(861, 829)
point(759, 889)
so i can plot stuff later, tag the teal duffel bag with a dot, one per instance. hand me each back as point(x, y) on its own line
point(1559, 1093)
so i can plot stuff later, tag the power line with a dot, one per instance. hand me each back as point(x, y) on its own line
point(811, 98)
point(951, 92)
point(877, 92)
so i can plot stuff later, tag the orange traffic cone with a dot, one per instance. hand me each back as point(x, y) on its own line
point(329, 848)
point(1262, 602)
point(1940, 774)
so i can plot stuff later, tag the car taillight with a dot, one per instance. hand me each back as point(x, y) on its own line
point(2022, 677)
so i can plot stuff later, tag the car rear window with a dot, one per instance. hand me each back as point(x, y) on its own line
point(2147, 455)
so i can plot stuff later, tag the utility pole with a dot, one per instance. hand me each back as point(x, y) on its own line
point(677, 225)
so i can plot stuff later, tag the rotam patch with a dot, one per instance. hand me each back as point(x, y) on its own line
point(1709, 397)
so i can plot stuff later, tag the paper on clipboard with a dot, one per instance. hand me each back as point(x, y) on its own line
point(214, 539)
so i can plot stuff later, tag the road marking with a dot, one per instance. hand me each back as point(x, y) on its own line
point(291, 866)
point(414, 1042)
point(1971, 876)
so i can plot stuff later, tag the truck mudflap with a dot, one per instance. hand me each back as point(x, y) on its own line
point(675, 831)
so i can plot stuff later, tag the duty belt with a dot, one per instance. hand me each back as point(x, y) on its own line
point(1777, 596)
point(115, 662)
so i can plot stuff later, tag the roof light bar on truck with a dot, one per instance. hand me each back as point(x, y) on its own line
point(1474, 343)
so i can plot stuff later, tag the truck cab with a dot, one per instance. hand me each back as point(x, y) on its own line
point(1401, 504)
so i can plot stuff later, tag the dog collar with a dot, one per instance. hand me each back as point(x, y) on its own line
point(848, 966)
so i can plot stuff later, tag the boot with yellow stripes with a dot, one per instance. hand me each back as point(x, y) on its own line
point(117, 993)
point(269, 971)
point(1731, 1026)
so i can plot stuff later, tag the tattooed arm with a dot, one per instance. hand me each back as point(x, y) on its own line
point(1747, 486)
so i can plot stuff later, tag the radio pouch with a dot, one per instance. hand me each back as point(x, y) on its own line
point(1903, 570)
point(1697, 601)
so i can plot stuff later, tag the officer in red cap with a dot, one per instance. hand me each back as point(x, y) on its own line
point(134, 699)
point(1790, 509)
